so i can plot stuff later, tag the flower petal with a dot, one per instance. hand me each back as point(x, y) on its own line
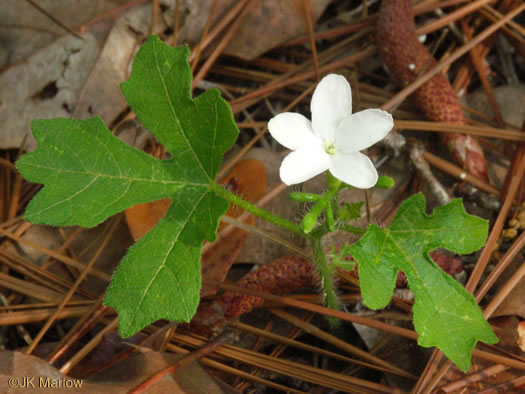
point(303, 164)
point(355, 169)
point(331, 103)
point(362, 130)
point(291, 130)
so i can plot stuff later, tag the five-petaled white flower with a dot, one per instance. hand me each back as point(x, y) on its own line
point(333, 139)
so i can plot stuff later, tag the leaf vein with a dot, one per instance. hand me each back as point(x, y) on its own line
point(67, 199)
point(177, 120)
point(163, 265)
point(126, 178)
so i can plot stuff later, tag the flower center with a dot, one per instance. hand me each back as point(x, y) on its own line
point(329, 148)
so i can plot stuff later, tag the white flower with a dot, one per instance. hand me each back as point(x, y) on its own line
point(333, 139)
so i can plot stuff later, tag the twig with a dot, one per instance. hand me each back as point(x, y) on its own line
point(496, 229)
point(506, 387)
point(88, 347)
point(235, 372)
point(475, 56)
point(8, 165)
point(227, 336)
point(154, 16)
point(395, 330)
point(411, 88)
point(264, 234)
point(176, 23)
point(313, 330)
point(311, 34)
point(58, 256)
point(73, 288)
point(205, 41)
point(62, 25)
point(417, 152)
point(282, 83)
point(79, 329)
point(198, 49)
point(473, 378)
point(112, 12)
point(224, 41)
point(504, 262)
point(505, 290)
point(459, 173)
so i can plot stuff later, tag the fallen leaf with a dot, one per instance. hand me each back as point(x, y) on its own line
point(521, 336)
point(28, 30)
point(69, 77)
point(260, 250)
point(268, 24)
point(506, 328)
point(20, 369)
point(129, 373)
point(143, 217)
point(509, 98)
point(101, 95)
point(512, 304)
point(44, 86)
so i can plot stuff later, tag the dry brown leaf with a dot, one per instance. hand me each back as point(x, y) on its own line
point(25, 29)
point(36, 375)
point(521, 336)
point(129, 373)
point(513, 304)
point(143, 217)
point(260, 250)
point(510, 100)
point(70, 77)
point(248, 180)
point(268, 24)
point(43, 86)
point(505, 328)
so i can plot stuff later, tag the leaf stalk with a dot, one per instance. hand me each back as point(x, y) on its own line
point(258, 211)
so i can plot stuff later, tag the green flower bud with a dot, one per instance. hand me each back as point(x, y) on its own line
point(385, 182)
point(304, 197)
point(310, 219)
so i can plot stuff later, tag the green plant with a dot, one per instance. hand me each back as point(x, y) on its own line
point(89, 175)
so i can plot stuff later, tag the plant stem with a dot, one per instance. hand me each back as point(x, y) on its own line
point(353, 229)
point(333, 183)
point(325, 273)
point(258, 211)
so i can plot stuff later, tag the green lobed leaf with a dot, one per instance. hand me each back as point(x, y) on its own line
point(89, 175)
point(445, 314)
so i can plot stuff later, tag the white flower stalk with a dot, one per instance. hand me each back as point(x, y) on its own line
point(333, 139)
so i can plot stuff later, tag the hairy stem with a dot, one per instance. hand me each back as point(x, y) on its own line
point(258, 211)
point(325, 274)
point(353, 229)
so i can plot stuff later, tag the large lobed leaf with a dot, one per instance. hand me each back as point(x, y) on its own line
point(445, 314)
point(89, 175)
